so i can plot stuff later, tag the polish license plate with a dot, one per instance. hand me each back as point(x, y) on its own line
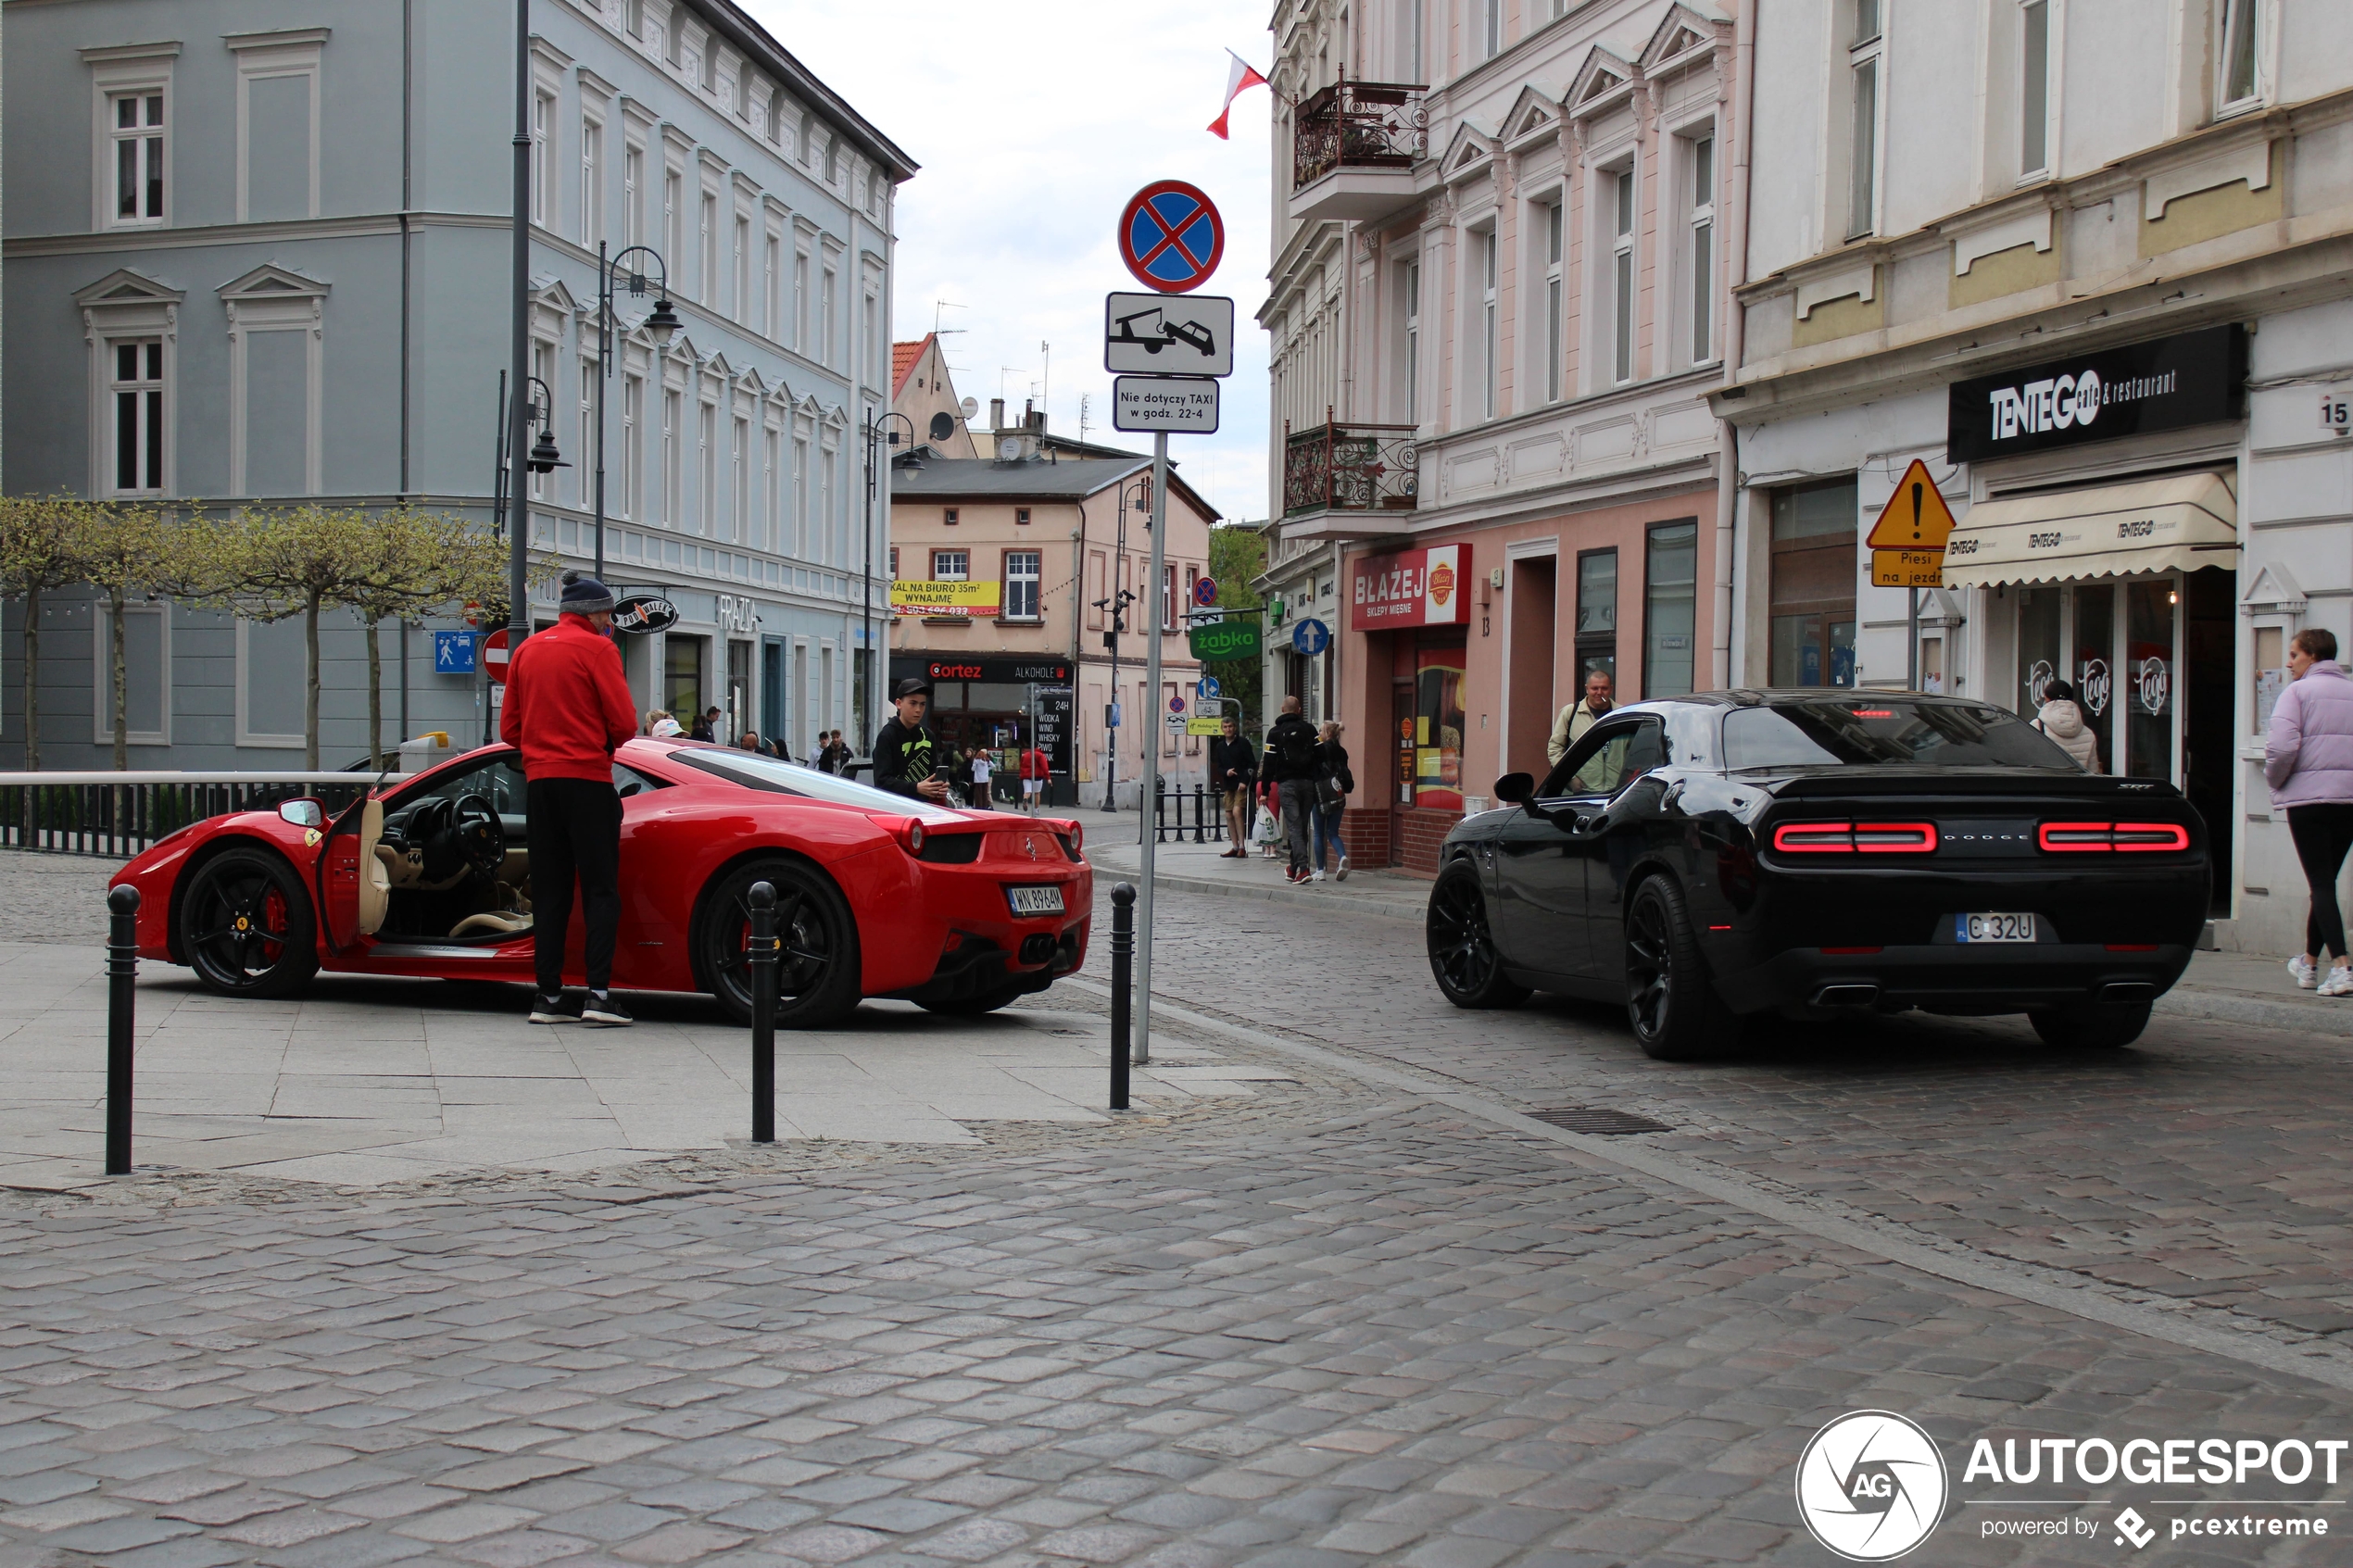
point(1993, 928)
point(1036, 900)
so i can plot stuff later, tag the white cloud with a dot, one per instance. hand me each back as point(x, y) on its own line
point(1034, 124)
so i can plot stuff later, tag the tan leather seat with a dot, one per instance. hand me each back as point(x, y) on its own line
point(375, 878)
point(477, 925)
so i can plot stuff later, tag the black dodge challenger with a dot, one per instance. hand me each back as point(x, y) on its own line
point(1819, 852)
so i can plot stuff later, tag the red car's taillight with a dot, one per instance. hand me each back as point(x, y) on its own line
point(2142, 837)
point(909, 834)
point(1078, 837)
point(1851, 838)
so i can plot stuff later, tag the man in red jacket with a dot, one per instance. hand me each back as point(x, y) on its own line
point(568, 710)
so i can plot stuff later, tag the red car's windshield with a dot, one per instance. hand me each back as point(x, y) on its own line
point(776, 777)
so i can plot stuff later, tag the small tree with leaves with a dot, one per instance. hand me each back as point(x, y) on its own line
point(136, 553)
point(41, 549)
point(420, 564)
point(296, 560)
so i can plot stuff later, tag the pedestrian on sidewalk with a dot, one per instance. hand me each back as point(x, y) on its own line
point(1036, 769)
point(2307, 760)
point(568, 710)
point(1294, 758)
point(981, 772)
point(1579, 716)
point(1233, 774)
point(1334, 784)
point(2062, 721)
point(903, 750)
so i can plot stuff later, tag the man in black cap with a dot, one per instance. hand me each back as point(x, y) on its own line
point(903, 763)
point(568, 710)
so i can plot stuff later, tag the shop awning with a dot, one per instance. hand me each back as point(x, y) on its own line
point(2177, 524)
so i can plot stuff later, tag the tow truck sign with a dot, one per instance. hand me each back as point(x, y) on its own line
point(1162, 334)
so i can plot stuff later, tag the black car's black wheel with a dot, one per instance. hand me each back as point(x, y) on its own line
point(1675, 1012)
point(971, 1007)
point(2092, 1026)
point(247, 926)
point(817, 960)
point(1462, 951)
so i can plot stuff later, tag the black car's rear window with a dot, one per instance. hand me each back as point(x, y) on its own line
point(1867, 731)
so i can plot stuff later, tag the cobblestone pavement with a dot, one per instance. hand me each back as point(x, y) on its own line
point(1335, 1323)
point(2206, 1166)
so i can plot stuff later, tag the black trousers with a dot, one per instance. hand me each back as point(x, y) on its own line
point(2322, 835)
point(575, 833)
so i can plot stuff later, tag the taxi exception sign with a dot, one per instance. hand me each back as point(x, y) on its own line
point(1908, 542)
point(1210, 727)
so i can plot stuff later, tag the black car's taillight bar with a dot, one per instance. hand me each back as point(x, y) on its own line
point(1856, 838)
point(2127, 837)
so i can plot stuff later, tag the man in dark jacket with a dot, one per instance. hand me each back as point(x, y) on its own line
point(1294, 763)
point(1233, 769)
point(568, 710)
point(905, 762)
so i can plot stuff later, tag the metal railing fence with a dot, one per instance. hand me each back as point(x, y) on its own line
point(117, 815)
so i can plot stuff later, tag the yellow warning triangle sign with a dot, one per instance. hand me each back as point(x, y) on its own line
point(1914, 518)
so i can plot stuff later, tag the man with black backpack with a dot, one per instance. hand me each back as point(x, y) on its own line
point(1294, 763)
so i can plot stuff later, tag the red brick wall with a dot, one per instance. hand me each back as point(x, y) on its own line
point(1422, 832)
point(1366, 831)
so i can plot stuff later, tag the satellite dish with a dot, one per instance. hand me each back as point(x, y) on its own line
point(1009, 449)
point(942, 427)
point(972, 406)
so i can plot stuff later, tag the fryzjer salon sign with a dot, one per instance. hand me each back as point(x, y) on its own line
point(1428, 587)
point(2167, 384)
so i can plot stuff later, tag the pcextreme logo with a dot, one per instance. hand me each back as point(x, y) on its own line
point(1871, 1485)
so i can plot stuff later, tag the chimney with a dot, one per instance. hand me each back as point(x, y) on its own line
point(996, 413)
point(1013, 444)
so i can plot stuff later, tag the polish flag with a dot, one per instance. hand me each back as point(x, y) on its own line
point(1243, 75)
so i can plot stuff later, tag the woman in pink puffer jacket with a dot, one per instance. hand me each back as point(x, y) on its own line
point(2307, 760)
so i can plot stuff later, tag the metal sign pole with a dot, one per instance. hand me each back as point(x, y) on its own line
point(1912, 653)
point(1151, 785)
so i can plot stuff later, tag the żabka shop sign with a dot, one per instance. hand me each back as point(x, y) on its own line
point(1428, 587)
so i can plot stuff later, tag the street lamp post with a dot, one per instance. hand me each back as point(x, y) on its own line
point(664, 324)
point(883, 431)
point(518, 546)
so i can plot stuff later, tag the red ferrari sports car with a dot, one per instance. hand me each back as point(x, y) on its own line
point(877, 895)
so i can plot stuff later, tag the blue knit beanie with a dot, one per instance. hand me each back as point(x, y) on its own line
point(583, 595)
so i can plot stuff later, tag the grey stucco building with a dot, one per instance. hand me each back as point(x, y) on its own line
point(258, 250)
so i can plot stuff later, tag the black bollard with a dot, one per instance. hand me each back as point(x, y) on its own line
point(1123, 958)
point(761, 961)
point(122, 978)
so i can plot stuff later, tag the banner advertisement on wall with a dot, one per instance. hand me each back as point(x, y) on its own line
point(1428, 587)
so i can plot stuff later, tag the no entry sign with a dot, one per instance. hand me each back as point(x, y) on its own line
point(494, 656)
point(1171, 237)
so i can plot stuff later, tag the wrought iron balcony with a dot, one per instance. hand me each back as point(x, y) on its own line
point(1354, 147)
point(1350, 469)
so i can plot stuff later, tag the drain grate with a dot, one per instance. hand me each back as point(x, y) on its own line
point(1599, 1120)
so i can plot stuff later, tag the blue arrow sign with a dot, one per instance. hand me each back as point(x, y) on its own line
point(1207, 685)
point(453, 653)
point(1311, 637)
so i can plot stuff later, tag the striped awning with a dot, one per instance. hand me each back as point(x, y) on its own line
point(2176, 524)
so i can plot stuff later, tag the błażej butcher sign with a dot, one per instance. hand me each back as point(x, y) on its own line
point(1426, 587)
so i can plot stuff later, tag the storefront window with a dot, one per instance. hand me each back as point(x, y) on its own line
point(1438, 725)
point(2094, 676)
point(1813, 584)
point(1670, 616)
point(2038, 647)
point(682, 684)
point(1596, 615)
point(2150, 678)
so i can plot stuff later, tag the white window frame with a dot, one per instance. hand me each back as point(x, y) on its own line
point(154, 410)
point(633, 419)
point(1034, 580)
point(673, 195)
point(828, 301)
point(1413, 368)
point(707, 247)
point(771, 487)
point(772, 268)
point(963, 565)
point(1702, 178)
point(801, 300)
point(1491, 29)
point(1491, 244)
point(148, 141)
point(2233, 20)
point(803, 481)
point(1866, 132)
point(102, 672)
point(742, 300)
point(543, 158)
point(123, 306)
point(271, 299)
point(1553, 237)
point(706, 467)
point(673, 411)
point(142, 69)
point(592, 179)
point(2035, 121)
point(246, 734)
point(1623, 212)
point(739, 488)
point(584, 474)
point(262, 56)
point(633, 193)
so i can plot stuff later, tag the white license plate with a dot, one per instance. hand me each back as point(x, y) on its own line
point(1036, 900)
point(1993, 928)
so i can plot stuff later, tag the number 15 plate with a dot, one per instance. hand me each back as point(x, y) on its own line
point(1993, 928)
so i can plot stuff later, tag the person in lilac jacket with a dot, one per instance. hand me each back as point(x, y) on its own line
point(2307, 760)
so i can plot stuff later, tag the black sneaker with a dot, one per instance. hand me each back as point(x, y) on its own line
point(555, 1009)
point(603, 1012)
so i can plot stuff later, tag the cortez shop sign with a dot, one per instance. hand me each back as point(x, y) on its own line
point(2167, 384)
point(1412, 588)
point(1872, 1484)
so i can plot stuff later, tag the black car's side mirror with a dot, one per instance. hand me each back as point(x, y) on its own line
point(1516, 789)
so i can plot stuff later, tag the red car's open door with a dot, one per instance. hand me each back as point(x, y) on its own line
point(352, 886)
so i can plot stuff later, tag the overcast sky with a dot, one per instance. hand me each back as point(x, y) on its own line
point(1034, 124)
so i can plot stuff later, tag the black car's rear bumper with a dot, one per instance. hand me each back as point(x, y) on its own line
point(1949, 978)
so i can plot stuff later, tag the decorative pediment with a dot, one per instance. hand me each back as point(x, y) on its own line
point(1684, 28)
point(1603, 82)
point(750, 382)
point(123, 287)
point(837, 417)
point(1532, 114)
point(717, 365)
point(554, 294)
point(2274, 592)
point(271, 282)
point(1470, 148)
point(682, 349)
